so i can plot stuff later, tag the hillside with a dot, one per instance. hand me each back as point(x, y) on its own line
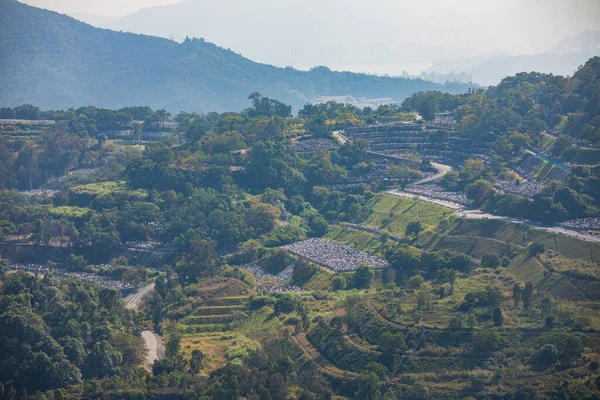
point(56, 61)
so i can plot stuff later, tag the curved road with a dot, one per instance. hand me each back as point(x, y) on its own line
point(442, 170)
point(153, 341)
point(476, 214)
point(155, 347)
point(134, 300)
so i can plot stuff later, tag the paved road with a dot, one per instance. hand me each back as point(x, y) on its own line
point(442, 170)
point(478, 214)
point(155, 347)
point(134, 300)
point(153, 341)
point(339, 137)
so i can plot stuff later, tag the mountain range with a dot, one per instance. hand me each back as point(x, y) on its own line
point(54, 61)
point(379, 38)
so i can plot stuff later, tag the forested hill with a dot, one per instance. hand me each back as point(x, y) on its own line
point(52, 60)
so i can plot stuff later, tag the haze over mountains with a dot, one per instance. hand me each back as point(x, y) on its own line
point(563, 58)
point(386, 37)
point(54, 61)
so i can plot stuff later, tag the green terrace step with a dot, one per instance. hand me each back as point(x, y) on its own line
point(210, 319)
point(217, 310)
point(228, 301)
point(206, 328)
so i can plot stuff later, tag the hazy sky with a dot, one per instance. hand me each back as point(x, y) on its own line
point(304, 33)
point(98, 7)
point(517, 25)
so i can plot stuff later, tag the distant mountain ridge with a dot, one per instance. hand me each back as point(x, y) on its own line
point(587, 41)
point(55, 61)
point(563, 58)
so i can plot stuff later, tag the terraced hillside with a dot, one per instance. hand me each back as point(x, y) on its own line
point(442, 229)
point(208, 318)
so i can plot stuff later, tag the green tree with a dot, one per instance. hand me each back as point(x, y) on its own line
point(285, 304)
point(363, 277)
point(493, 297)
point(102, 138)
point(196, 361)
point(194, 133)
point(491, 260)
point(546, 356)
point(3, 266)
point(424, 301)
point(527, 295)
point(339, 282)
point(392, 342)
point(173, 345)
point(488, 341)
point(368, 387)
point(536, 248)
point(497, 317)
point(415, 282)
point(413, 229)
point(132, 348)
point(472, 169)
point(199, 261)
point(303, 271)
point(457, 322)
point(262, 217)
point(103, 360)
point(479, 191)
point(517, 294)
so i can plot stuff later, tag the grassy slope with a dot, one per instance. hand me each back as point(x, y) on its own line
point(475, 237)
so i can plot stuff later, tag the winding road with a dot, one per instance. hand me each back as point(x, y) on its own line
point(154, 342)
point(442, 170)
point(155, 347)
point(476, 214)
point(134, 300)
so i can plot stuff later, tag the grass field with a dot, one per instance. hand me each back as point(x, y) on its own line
point(527, 269)
point(472, 236)
point(360, 240)
point(392, 213)
point(320, 281)
point(105, 188)
point(68, 211)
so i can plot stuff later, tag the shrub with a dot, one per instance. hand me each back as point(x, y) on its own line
point(363, 277)
point(339, 282)
point(415, 282)
point(491, 260)
point(285, 304)
point(536, 248)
